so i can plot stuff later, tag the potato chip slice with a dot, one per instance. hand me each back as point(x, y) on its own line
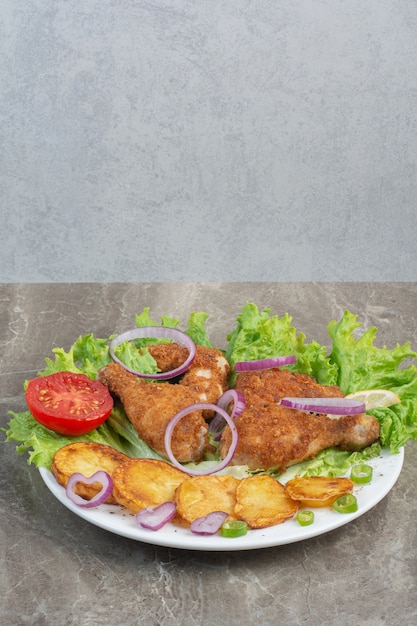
point(142, 483)
point(200, 495)
point(261, 501)
point(318, 491)
point(87, 458)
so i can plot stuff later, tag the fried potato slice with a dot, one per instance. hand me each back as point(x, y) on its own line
point(200, 495)
point(318, 491)
point(142, 483)
point(86, 458)
point(261, 501)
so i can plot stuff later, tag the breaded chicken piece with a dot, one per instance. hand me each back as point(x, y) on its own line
point(150, 406)
point(277, 437)
point(273, 436)
point(207, 374)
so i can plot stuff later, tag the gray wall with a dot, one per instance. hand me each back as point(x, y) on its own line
point(270, 140)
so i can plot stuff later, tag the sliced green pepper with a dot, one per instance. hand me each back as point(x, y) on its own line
point(234, 528)
point(305, 518)
point(361, 474)
point(346, 504)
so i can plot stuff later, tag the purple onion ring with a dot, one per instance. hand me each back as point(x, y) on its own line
point(200, 406)
point(332, 406)
point(159, 332)
point(98, 477)
point(263, 364)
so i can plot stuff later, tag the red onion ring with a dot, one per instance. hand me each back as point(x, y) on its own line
point(217, 423)
point(200, 406)
point(159, 332)
point(263, 364)
point(333, 406)
point(155, 518)
point(99, 477)
point(209, 524)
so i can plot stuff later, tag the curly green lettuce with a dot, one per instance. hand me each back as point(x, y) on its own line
point(362, 365)
point(260, 335)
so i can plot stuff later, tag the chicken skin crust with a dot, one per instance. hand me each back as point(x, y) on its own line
point(273, 436)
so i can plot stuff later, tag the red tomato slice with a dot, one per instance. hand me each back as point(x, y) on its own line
point(70, 404)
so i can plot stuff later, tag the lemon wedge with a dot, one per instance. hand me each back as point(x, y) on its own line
point(375, 398)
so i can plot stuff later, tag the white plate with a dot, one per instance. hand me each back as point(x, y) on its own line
point(117, 520)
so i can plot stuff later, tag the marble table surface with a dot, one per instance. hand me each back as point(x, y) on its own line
point(57, 569)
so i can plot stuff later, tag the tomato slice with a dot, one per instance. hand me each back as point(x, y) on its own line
point(69, 404)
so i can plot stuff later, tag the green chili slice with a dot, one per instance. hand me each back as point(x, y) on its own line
point(234, 528)
point(305, 518)
point(361, 474)
point(346, 504)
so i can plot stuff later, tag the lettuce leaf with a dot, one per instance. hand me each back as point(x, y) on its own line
point(258, 335)
point(89, 354)
point(42, 443)
point(362, 365)
point(196, 328)
point(398, 424)
point(333, 462)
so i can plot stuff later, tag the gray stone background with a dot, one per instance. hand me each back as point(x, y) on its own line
point(162, 140)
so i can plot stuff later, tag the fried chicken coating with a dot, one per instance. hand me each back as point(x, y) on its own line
point(150, 406)
point(207, 374)
point(273, 436)
point(265, 387)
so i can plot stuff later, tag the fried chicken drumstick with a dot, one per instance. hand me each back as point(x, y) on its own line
point(151, 406)
point(273, 436)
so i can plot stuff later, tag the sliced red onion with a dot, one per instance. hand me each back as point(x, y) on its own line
point(333, 406)
point(160, 332)
point(217, 424)
point(155, 518)
point(99, 477)
point(263, 364)
point(210, 524)
point(200, 406)
point(232, 395)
